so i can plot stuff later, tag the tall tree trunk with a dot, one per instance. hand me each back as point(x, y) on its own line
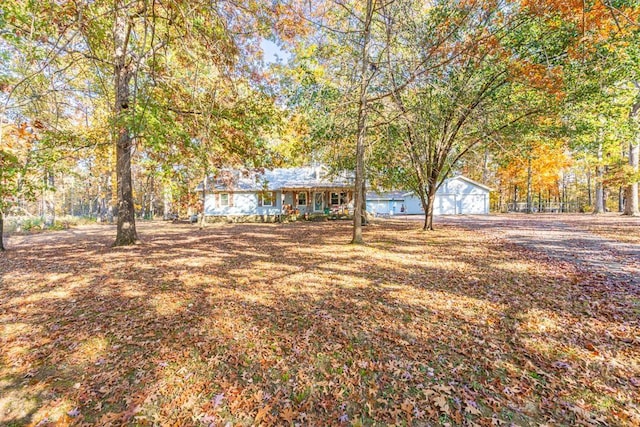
point(151, 197)
point(2, 249)
point(599, 193)
point(590, 199)
point(621, 191)
point(204, 199)
point(364, 202)
point(166, 201)
point(485, 166)
point(529, 195)
point(362, 128)
point(631, 207)
point(126, 231)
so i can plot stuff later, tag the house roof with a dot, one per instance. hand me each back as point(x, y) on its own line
point(461, 177)
point(278, 179)
point(307, 177)
point(472, 182)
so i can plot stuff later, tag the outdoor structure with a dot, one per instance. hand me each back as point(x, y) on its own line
point(274, 194)
point(270, 194)
point(456, 195)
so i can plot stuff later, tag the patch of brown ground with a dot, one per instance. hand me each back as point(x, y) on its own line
point(279, 324)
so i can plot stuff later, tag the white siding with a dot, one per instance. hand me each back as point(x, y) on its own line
point(444, 204)
point(475, 204)
point(455, 196)
point(413, 205)
point(243, 204)
point(378, 206)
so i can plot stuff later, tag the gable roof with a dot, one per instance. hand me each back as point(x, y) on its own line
point(460, 177)
point(278, 179)
point(470, 181)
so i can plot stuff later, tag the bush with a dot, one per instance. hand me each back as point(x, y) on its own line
point(35, 224)
point(30, 224)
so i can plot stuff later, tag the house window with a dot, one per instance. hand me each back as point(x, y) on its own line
point(338, 198)
point(224, 199)
point(302, 199)
point(267, 199)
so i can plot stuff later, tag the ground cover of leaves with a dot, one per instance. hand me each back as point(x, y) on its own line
point(613, 226)
point(286, 324)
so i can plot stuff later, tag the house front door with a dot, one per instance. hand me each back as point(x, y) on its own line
point(318, 202)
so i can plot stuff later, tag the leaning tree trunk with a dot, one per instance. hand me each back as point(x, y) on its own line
point(358, 202)
point(126, 231)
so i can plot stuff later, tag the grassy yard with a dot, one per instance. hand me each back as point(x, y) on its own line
point(274, 324)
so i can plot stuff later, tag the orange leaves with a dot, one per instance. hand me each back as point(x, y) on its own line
point(597, 22)
point(538, 76)
point(289, 415)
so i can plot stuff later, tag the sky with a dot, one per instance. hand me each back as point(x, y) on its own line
point(272, 52)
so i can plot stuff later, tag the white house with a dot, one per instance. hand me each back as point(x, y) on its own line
point(456, 195)
point(268, 194)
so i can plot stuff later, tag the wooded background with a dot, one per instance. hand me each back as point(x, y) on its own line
point(114, 110)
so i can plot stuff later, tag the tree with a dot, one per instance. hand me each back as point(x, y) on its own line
point(20, 163)
point(603, 46)
point(126, 54)
point(337, 69)
point(631, 195)
point(476, 87)
point(359, 184)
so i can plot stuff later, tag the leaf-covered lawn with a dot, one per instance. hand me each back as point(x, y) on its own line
point(286, 324)
point(615, 226)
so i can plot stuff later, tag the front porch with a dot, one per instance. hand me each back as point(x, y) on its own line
point(306, 203)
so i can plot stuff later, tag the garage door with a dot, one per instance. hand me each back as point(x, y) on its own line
point(472, 204)
point(444, 204)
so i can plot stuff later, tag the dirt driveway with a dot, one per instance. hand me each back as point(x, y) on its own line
point(604, 245)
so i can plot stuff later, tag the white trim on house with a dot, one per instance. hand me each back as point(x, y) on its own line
point(267, 202)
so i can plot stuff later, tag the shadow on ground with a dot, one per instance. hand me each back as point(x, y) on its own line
point(272, 324)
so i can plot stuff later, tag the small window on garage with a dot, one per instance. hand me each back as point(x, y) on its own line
point(224, 199)
point(302, 199)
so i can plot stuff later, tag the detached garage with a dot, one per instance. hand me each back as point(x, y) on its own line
point(386, 203)
point(456, 195)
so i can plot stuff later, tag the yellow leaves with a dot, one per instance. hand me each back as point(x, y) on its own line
point(263, 414)
point(471, 409)
point(289, 414)
point(596, 22)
